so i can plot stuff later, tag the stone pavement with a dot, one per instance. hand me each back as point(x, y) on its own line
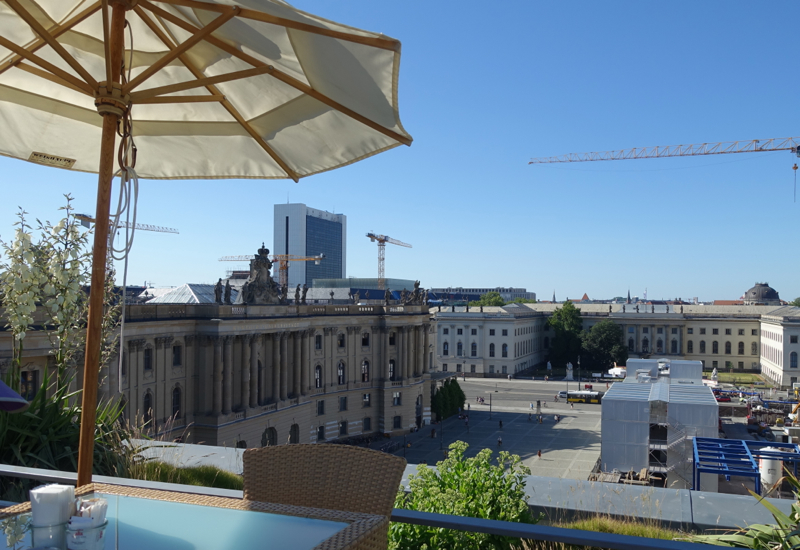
point(569, 448)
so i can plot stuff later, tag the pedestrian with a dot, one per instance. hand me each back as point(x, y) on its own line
point(468, 406)
point(499, 441)
point(531, 406)
point(572, 405)
point(545, 378)
point(555, 418)
point(501, 424)
point(540, 419)
point(539, 454)
point(433, 433)
point(606, 385)
point(529, 417)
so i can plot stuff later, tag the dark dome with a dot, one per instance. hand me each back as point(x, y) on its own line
point(762, 293)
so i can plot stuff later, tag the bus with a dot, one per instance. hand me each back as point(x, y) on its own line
point(584, 396)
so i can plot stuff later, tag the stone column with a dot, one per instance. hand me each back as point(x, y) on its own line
point(190, 372)
point(419, 367)
point(353, 365)
point(385, 348)
point(284, 356)
point(400, 344)
point(425, 347)
point(255, 344)
point(297, 363)
point(276, 367)
point(247, 355)
point(227, 374)
point(412, 354)
point(217, 406)
point(304, 362)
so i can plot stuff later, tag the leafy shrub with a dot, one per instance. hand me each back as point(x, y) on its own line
point(472, 487)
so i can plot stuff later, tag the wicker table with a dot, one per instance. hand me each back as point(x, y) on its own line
point(172, 522)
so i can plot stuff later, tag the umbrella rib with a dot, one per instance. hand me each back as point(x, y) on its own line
point(55, 31)
point(179, 50)
point(52, 42)
point(199, 83)
point(283, 77)
point(33, 58)
point(182, 99)
point(215, 93)
point(53, 78)
point(384, 43)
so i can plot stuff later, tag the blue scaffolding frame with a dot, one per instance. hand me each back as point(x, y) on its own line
point(737, 457)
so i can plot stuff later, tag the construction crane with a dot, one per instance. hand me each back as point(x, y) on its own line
point(282, 260)
point(382, 240)
point(724, 147)
point(86, 220)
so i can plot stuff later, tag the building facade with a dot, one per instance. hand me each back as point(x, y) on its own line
point(303, 231)
point(251, 376)
point(460, 293)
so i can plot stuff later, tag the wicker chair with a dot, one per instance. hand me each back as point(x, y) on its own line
point(336, 477)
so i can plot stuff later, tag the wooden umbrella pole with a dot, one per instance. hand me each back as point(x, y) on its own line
point(111, 113)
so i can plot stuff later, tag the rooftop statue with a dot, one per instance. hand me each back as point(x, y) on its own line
point(260, 288)
point(227, 293)
point(305, 291)
point(218, 292)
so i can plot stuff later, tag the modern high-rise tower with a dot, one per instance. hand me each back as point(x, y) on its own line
point(303, 231)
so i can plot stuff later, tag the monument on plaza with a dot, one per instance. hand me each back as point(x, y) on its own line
point(569, 372)
point(260, 288)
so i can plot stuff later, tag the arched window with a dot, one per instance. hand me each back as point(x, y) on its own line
point(659, 346)
point(473, 349)
point(727, 348)
point(391, 370)
point(630, 344)
point(269, 438)
point(176, 403)
point(148, 407)
point(505, 350)
point(365, 371)
point(294, 433)
point(741, 348)
point(793, 360)
point(340, 373)
point(714, 347)
point(645, 345)
point(446, 349)
point(673, 346)
point(459, 349)
point(491, 350)
point(318, 376)
point(343, 427)
point(702, 346)
point(689, 347)
point(754, 348)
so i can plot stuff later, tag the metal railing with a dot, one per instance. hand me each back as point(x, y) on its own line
point(536, 532)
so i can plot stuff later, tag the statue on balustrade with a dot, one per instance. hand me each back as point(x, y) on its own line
point(218, 292)
point(297, 295)
point(305, 291)
point(227, 293)
point(260, 288)
point(387, 296)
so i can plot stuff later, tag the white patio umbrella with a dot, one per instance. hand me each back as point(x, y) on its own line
point(214, 89)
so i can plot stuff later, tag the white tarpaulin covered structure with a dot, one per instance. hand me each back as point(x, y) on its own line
point(197, 89)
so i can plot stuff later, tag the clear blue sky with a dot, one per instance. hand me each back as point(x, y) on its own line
point(483, 88)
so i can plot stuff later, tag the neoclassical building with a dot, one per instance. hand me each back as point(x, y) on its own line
point(251, 375)
point(497, 341)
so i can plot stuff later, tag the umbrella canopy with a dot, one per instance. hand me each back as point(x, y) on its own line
point(248, 89)
point(208, 89)
point(11, 401)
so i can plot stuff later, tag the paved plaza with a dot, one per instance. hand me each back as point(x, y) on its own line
point(570, 448)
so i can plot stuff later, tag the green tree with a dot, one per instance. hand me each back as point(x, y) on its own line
point(489, 299)
point(471, 487)
point(522, 301)
point(566, 343)
point(795, 302)
point(602, 346)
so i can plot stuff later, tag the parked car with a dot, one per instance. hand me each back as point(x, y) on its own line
point(562, 395)
point(723, 398)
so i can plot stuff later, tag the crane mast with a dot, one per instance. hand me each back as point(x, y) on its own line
point(382, 240)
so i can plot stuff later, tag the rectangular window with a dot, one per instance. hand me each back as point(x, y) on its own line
point(397, 422)
point(793, 339)
point(148, 359)
point(397, 399)
point(460, 331)
point(660, 330)
point(491, 369)
point(491, 332)
point(714, 364)
point(321, 433)
point(320, 407)
point(474, 331)
point(505, 332)
point(340, 340)
point(29, 384)
point(318, 341)
point(714, 331)
point(365, 400)
point(505, 369)
point(674, 331)
point(631, 330)
point(365, 339)
point(458, 368)
point(343, 427)
point(702, 331)
point(472, 368)
point(444, 367)
point(689, 331)
point(741, 364)
point(645, 330)
point(176, 356)
point(366, 425)
point(728, 331)
point(445, 331)
point(391, 338)
point(754, 332)
point(342, 403)
point(741, 332)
